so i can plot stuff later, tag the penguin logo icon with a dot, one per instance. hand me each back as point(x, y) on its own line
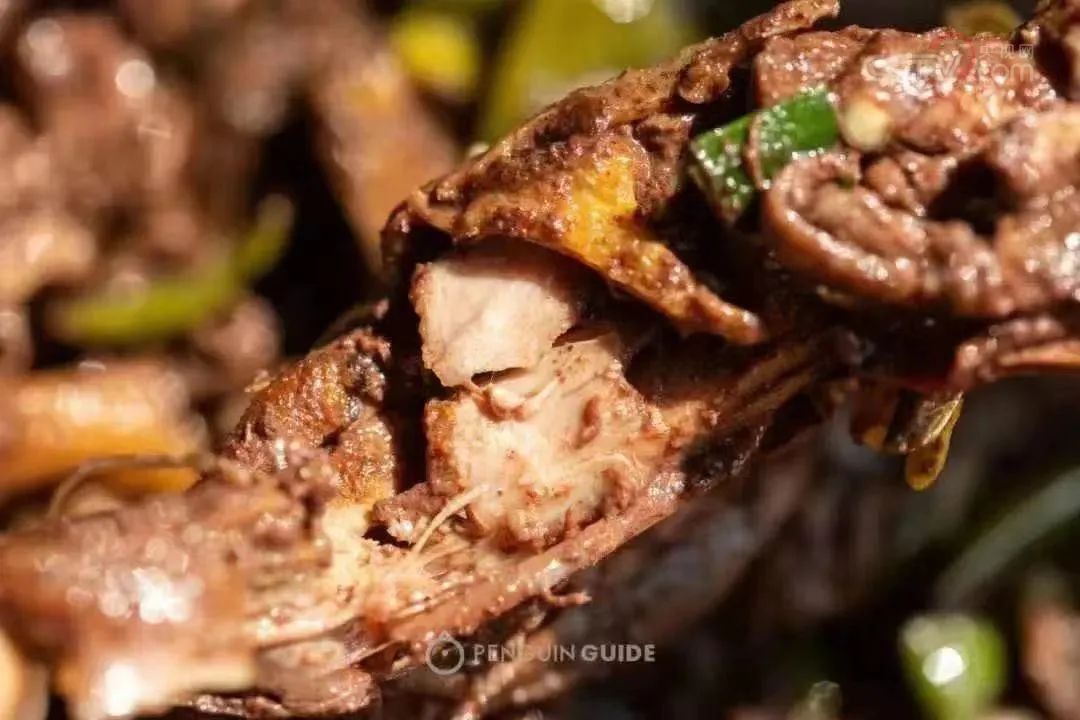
point(445, 655)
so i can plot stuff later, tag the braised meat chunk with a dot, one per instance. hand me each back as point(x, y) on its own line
point(488, 309)
point(545, 451)
point(618, 307)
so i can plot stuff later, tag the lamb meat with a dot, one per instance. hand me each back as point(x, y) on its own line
point(546, 451)
point(787, 65)
point(487, 310)
point(936, 92)
point(579, 199)
point(141, 606)
point(856, 268)
point(827, 225)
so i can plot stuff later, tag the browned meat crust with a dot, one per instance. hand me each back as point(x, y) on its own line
point(310, 401)
point(579, 179)
point(580, 198)
point(788, 65)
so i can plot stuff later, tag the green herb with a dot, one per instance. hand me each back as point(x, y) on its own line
point(955, 664)
point(805, 123)
point(171, 306)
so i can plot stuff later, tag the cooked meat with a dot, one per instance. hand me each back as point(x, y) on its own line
point(493, 308)
point(53, 421)
point(706, 78)
point(911, 181)
point(701, 398)
point(1041, 343)
point(543, 452)
point(376, 141)
point(291, 546)
point(936, 92)
point(570, 179)
point(653, 588)
point(1039, 155)
point(826, 225)
point(549, 446)
point(579, 199)
point(140, 606)
point(1054, 32)
point(40, 249)
point(311, 402)
point(787, 66)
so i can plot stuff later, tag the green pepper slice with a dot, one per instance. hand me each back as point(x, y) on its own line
point(720, 164)
point(171, 306)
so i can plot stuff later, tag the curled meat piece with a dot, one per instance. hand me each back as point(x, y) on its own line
point(1026, 345)
point(842, 234)
point(827, 224)
point(937, 92)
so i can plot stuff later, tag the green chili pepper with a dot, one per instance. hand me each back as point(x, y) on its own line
point(171, 306)
point(955, 663)
point(805, 123)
